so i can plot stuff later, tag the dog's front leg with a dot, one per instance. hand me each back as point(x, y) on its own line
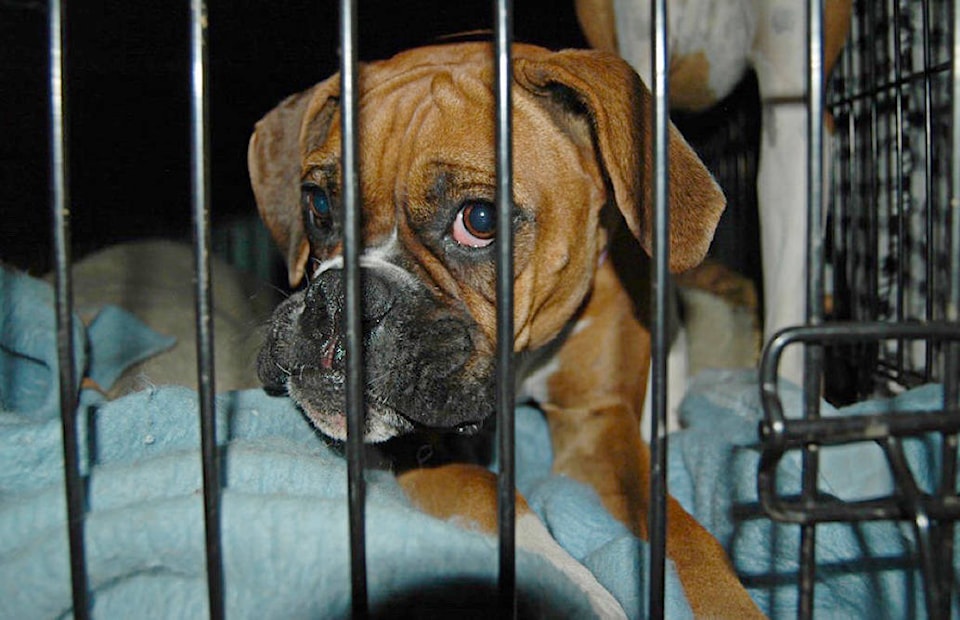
point(468, 495)
point(594, 398)
point(602, 447)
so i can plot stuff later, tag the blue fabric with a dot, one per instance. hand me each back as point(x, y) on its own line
point(713, 465)
point(284, 511)
point(284, 520)
point(284, 501)
point(28, 346)
point(29, 379)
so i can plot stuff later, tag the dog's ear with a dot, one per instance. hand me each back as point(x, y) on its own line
point(618, 108)
point(274, 158)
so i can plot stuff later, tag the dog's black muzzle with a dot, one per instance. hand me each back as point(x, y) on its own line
point(420, 361)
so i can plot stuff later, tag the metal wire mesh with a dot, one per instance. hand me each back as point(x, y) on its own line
point(890, 281)
point(888, 249)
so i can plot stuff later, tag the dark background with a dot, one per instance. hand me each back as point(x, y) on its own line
point(128, 108)
point(128, 103)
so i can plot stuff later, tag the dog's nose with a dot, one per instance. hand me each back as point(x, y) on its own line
point(319, 310)
point(325, 298)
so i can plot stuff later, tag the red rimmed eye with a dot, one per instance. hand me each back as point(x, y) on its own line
point(476, 224)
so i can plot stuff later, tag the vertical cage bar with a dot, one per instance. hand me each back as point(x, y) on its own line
point(813, 355)
point(506, 481)
point(657, 518)
point(925, 530)
point(944, 530)
point(200, 190)
point(951, 375)
point(60, 207)
point(352, 240)
point(878, 194)
point(899, 201)
point(952, 312)
point(928, 171)
point(953, 301)
point(870, 175)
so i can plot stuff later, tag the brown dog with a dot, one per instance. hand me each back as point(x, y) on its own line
point(581, 168)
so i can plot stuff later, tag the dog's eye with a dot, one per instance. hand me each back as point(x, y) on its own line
point(316, 206)
point(476, 224)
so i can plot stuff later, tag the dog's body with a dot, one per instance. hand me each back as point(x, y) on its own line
point(427, 182)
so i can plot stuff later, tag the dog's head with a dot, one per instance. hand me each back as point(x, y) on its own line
point(580, 143)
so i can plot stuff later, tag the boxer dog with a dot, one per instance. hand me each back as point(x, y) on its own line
point(581, 171)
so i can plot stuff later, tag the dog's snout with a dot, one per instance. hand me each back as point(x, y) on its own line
point(319, 309)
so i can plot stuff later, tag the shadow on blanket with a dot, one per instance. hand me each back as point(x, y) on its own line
point(284, 502)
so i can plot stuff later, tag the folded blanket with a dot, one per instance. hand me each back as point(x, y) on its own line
point(284, 503)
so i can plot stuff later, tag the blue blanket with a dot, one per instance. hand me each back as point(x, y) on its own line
point(284, 502)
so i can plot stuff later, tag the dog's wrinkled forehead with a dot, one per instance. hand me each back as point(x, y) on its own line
point(415, 123)
point(420, 133)
point(427, 145)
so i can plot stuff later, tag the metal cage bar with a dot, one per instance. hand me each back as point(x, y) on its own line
point(898, 203)
point(353, 300)
point(953, 303)
point(813, 356)
point(352, 242)
point(200, 197)
point(931, 272)
point(506, 479)
point(953, 212)
point(657, 517)
point(951, 394)
point(60, 211)
point(941, 548)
